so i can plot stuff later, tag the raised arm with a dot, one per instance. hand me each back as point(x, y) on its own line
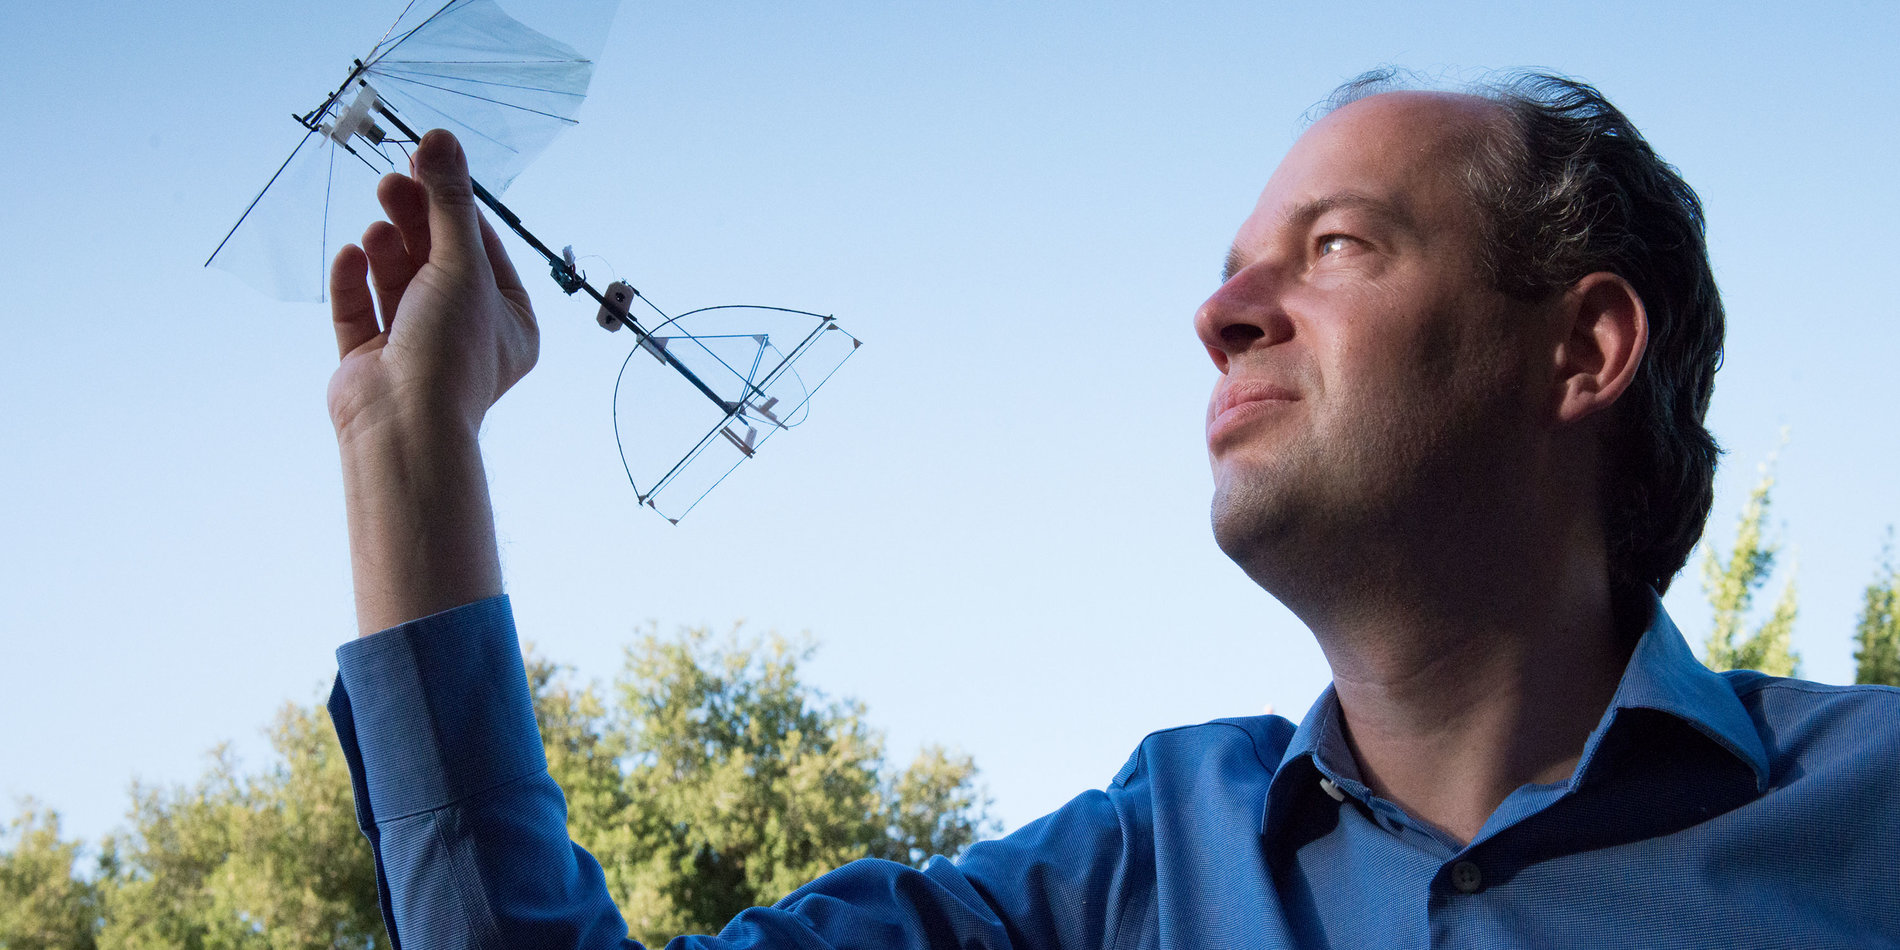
point(447, 331)
point(433, 711)
point(431, 704)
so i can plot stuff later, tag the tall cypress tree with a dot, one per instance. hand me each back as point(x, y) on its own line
point(1877, 641)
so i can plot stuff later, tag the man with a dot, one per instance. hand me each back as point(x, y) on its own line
point(1465, 346)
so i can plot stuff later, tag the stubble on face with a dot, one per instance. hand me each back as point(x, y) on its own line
point(1409, 380)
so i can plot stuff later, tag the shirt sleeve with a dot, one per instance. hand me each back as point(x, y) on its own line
point(471, 845)
point(452, 790)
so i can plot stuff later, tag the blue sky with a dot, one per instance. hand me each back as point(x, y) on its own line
point(995, 524)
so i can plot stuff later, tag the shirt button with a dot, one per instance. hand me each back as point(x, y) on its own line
point(1466, 877)
point(1332, 789)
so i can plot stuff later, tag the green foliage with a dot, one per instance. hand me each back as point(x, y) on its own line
point(714, 781)
point(718, 781)
point(1877, 641)
point(271, 860)
point(1731, 585)
point(42, 905)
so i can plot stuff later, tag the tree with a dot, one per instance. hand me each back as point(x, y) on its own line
point(1877, 644)
point(43, 906)
point(268, 860)
point(1731, 585)
point(714, 781)
point(719, 781)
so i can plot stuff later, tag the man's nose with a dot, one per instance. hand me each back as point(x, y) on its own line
point(1245, 313)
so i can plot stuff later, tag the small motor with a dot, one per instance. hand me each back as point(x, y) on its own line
point(619, 298)
point(355, 119)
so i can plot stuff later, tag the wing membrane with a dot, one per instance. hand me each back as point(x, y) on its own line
point(699, 394)
point(505, 90)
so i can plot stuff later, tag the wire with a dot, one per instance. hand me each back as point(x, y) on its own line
point(620, 445)
point(470, 95)
point(260, 196)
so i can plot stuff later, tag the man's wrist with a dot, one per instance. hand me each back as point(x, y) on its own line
point(422, 535)
point(411, 426)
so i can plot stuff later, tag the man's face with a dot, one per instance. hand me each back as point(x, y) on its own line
point(1367, 367)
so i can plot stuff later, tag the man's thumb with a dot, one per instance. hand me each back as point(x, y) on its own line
point(442, 169)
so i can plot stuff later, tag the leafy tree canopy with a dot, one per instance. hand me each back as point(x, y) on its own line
point(42, 905)
point(707, 779)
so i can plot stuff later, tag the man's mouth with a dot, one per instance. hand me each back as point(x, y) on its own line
point(1236, 403)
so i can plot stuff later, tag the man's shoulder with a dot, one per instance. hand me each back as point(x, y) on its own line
point(1828, 821)
point(1803, 723)
point(1252, 744)
point(1749, 682)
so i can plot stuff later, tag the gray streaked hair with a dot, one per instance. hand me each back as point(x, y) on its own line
point(1568, 187)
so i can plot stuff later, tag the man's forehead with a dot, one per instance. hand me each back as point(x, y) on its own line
point(1390, 134)
point(1429, 105)
point(1388, 153)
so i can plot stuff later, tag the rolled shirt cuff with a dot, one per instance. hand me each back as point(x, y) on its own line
point(439, 708)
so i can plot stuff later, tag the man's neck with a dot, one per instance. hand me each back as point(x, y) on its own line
point(1452, 704)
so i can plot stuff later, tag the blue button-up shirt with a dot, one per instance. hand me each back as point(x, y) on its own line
point(1730, 810)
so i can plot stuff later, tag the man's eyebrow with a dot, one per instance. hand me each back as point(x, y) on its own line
point(1301, 216)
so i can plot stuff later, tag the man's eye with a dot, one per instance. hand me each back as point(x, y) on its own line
point(1333, 242)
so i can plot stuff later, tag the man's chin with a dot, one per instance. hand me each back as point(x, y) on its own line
point(1252, 519)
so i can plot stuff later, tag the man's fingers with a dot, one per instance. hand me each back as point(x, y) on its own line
point(407, 205)
point(455, 240)
point(506, 279)
point(391, 267)
point(352, 312)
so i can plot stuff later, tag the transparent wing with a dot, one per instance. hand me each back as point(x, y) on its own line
point(313, 205)
point(762, 364)
point(505, 89)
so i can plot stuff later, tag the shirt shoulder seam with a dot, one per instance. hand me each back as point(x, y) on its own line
point(1253, 743)
point(1818, 689)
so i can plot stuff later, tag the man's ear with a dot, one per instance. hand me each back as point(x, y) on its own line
point(1605, 332)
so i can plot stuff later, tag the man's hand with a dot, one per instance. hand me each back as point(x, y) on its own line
point(448, 330)
point(455, 329)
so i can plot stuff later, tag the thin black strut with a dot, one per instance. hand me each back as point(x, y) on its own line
point(470, 95)
point(309, 121)
point(329, 182)
point(312, 119)
point(411, 32)
point(366, 163)
point(495, 62)
point(467, 130)
point(392, 27)
point(784, 366)
point(405, 74)
point(260, 195)
point(571, 281)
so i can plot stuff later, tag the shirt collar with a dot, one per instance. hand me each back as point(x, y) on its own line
point(1662, 675)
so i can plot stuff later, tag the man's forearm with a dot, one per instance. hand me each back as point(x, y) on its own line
point(422, 531)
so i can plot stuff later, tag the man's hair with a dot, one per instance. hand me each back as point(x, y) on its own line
point(1568, 187)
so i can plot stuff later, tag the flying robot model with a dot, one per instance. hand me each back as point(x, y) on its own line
point(709, 386)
